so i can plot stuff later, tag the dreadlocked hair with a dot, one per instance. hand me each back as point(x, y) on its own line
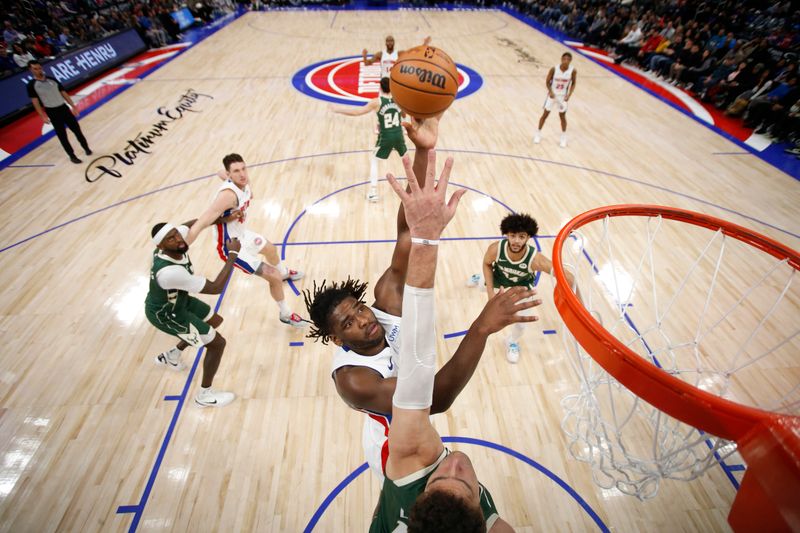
point(323, 299)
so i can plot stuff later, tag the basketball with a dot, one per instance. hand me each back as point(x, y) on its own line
point(424, 82)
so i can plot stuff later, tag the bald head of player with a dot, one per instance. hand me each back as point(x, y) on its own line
point(236, 169)
point(389, 44)
point(172, 242)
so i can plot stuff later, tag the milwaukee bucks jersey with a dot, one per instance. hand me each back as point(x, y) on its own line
point(157, 297)
point(398, 496)
point(389, 118)
point(508, 273)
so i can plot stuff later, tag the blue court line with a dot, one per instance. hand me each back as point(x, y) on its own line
point(346, 152)
point(549, 332)
point(456, 334)
point(560, 37)
point(138, 509)
point(296, 343)
point(171, 398)
point(477, 442)
point(32, 166)
point(346, 188)
point(736, 468)
point(25, 150)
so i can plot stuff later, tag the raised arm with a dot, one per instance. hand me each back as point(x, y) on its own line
point(389, 288)
point(351, 111)
point(364, 388)
point(413, 441)
point(225, 200)
point(425, 42)
point(370, 60)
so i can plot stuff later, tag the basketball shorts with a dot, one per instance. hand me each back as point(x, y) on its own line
point(385, 145)
point(561, 105)
point(249, 258)
point(187, 323)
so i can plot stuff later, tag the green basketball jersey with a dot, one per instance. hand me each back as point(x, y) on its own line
point(508, 273)
point(398, 497)
point(157, 297)
point(389, 119)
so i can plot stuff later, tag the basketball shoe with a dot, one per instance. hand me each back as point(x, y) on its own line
point(212, 398)
point(372, 195)
point(293, 275)
point(171, 359)
point(512, 351)
point(294, 320)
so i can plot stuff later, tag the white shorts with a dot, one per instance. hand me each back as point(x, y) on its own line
point(249, 258)
point(375, 440)
point(562, 105)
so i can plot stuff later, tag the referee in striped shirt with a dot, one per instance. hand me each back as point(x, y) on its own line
point(50, 100)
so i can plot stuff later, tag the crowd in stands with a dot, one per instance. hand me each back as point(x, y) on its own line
point(740, 56)
point(40, 29)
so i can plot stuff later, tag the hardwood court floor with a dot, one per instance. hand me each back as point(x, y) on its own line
point(83, 412)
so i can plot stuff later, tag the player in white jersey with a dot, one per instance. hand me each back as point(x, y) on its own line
point(227, 214)
point(560, 85)
point(364, 370)
point(388, 56)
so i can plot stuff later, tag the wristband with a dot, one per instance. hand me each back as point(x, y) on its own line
point(233, 252)
point(426, 242)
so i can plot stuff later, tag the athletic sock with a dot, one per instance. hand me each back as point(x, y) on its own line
point(284, 309)
point(282, 269)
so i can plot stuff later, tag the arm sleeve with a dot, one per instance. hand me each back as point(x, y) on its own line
point(176, 277)
point(416, 365)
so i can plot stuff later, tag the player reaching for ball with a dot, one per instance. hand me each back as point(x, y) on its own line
point(227, 214)
point(390, 132)
point(388, 56)
point(560, 85)
point(427, 487)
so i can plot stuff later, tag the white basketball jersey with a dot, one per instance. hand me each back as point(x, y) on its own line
point(561, 80)
point(387, 62)
point(235, 228)
point(375, 432)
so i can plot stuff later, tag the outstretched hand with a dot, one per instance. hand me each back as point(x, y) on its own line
point(426, 211)
point(423, 132)
point(501, 310)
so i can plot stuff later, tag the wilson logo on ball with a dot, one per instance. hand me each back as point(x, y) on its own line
point(424, 75)
point(347, 80)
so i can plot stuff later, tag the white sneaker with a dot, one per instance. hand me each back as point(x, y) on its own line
point(294, 320)
point(563, 143)
point(537, 139)
point(474, 280)
point(212, 398)
point(294, 275)
point(372, 195)
point(170, 361)
point(512, 352)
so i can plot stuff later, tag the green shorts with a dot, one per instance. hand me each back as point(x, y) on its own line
point(385, 145)
point(187, 323)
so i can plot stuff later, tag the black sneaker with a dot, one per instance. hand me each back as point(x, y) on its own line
point(75, 159)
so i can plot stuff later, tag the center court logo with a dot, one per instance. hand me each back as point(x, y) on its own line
point(347, 80)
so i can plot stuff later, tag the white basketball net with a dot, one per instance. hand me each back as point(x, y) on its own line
point(707, 308)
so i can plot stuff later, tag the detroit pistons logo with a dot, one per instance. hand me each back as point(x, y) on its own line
point(347, 80)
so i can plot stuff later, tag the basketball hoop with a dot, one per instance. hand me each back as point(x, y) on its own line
point(686, 340)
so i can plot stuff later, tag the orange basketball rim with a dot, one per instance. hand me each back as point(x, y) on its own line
point(769, 442)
